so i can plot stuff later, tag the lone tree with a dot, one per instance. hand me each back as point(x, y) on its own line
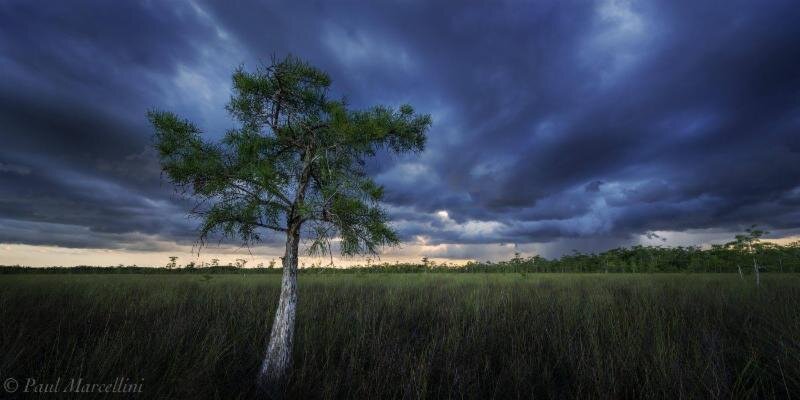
point(294, 164)
point(749, 243)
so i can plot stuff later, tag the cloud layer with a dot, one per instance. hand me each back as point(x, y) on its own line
point(562, 123)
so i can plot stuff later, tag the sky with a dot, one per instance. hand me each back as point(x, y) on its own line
point(558, 125)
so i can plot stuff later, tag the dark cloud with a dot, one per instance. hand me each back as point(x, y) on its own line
point(79, 78)
point(558, 122)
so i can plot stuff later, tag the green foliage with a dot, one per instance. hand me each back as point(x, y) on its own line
point(294, 164)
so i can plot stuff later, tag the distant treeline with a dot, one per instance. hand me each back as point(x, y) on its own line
point(737, 256)
point(767, 257)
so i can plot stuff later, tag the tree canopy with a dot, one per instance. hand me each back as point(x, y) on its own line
point(294, 163)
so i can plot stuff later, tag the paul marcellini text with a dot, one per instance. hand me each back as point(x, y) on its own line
point(74, 385)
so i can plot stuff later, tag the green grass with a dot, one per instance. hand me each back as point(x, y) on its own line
point(412, 335)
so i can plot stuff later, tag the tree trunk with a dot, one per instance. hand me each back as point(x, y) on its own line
point(741, 276)
point(278, 358)
point(758, 275)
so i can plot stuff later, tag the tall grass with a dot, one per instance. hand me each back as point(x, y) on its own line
point(412, 335)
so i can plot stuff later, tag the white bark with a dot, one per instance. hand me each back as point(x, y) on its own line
point(758, 275)
point(278, 357)
point(741, 276)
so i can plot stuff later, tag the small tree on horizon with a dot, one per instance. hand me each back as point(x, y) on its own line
point(754, 246)
point(294, 165)
point(749, 244)
point(738, 247)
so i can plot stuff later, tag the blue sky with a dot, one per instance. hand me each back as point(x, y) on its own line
point(557, 125)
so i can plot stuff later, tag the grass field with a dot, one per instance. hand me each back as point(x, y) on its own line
point(412, 335)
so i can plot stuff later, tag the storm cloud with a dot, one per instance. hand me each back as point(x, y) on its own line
point(554, 122)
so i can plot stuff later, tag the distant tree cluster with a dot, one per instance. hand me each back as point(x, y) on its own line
point(747, 254)
point(746, 250)
point(719, 258)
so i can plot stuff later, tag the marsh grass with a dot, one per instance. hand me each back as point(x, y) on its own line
point(413, 335)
